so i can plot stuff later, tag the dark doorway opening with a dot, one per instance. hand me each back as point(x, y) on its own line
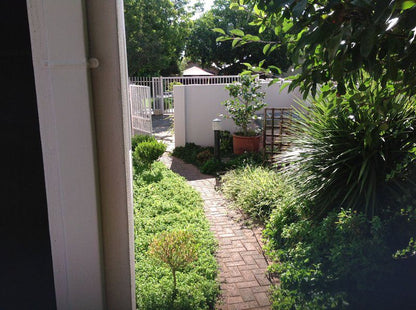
point(26, 275)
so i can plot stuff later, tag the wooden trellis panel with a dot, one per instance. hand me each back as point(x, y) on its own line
point(276, 126)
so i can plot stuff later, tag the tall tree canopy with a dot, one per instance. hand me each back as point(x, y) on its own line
point(338, 40)
point(156, 32)
point(202, 46)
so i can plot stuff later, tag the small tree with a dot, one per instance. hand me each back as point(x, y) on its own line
point(245, 102)
point(177, 249)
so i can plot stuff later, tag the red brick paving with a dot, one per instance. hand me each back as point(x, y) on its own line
point(242, 276)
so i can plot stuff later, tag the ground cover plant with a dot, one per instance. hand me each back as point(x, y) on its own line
point(165, 205)
point(256, 190)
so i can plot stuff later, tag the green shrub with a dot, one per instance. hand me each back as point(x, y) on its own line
point(148, 152)
point(212, 166)
point(164, 202)
point(177, 249)
point(204, 156)
point(343, 261)
point(245, 159)
point(189, 153)
point(137, 139)
point(357, 151)
point(340, 235)
point(256, 190)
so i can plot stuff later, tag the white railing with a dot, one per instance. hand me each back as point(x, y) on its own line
point(141, 80)
point(141, 109)
point(162, 88)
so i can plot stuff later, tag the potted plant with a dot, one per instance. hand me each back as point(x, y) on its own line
point(245, 101)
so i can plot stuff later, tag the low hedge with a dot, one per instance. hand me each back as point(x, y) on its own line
point(343, 260)
point(164, 202)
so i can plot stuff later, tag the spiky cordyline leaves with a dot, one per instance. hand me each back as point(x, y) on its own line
point(355, 151)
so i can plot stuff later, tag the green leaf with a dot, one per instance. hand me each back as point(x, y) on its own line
point(219, 30)
point(237, 32)
point(266, 48)
point(235, 42)
point(276, 68)
point(249, 37)
point(234, 6)
point(222, 38)
point(408, 5)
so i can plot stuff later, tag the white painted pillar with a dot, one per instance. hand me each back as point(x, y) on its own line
point(179, 99)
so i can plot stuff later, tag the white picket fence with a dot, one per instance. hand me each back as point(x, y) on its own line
point(141, 109)
point(162, 88)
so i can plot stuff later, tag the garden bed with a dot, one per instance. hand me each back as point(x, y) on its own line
point(164, 202)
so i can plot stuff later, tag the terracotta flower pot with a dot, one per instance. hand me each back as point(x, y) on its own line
point(243, 144)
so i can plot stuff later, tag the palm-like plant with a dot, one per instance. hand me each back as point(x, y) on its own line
point(354, 151)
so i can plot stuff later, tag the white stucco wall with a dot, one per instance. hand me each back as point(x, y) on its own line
point(197, 105)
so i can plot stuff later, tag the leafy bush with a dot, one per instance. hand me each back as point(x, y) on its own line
point(198, 156)
point(148, 152)
point(212, 166)
point(177, 249)
point(357, 151)
point(340, 235)
point(165, 203)
point(189, 153)
point(256, 190)
point(137, 139)
point(204, 156)
point(344, 260)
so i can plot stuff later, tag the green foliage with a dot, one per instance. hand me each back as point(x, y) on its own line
point(334, 41)
point(356, 151)
point(177, 249)
point(212, 166)
point(204, 156)
point(189, 153)
point(342, 261)
point(137, 139)
point(146, 153)
point(256, 190)
point(156, 32)
point(245, 102)
point(171, 84)
point(163, 205)
point(202, 47)
point(226, 142)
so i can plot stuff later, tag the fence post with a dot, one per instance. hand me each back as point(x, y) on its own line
point(154, 97)
point(162, 99)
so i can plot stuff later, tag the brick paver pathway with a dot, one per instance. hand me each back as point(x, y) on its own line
point(243, 280)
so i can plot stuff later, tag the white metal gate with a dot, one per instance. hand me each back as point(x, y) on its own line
point(162, 88)
point(141, 109)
